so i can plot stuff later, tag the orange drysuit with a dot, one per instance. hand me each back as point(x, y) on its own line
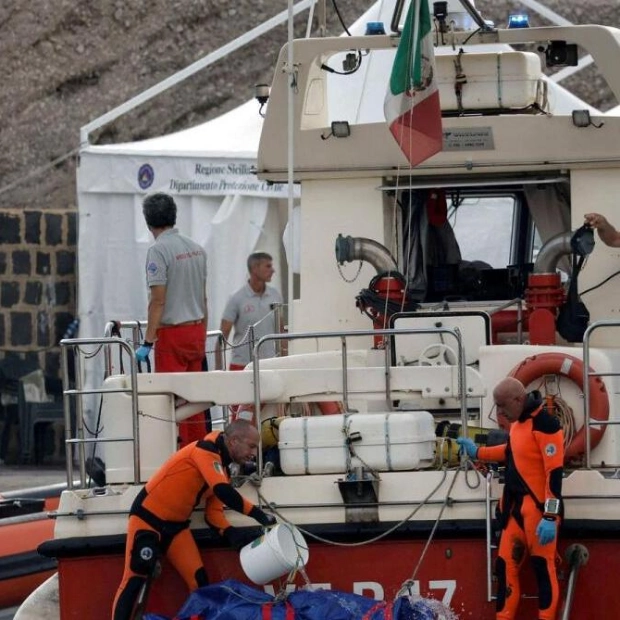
point(534, 457)
point(160, 516)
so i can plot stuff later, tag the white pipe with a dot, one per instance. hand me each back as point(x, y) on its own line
point(179, 76)
point(290, 162)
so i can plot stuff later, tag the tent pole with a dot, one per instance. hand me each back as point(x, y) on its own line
point(179, 76)
point(290, 163)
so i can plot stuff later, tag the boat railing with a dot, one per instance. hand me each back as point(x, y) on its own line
point(588, 422)
point(106, 344)
point(343, 336)
point(79, 389)
point(137, 329)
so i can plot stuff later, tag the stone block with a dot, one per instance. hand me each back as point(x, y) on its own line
point(43, 263)
point(71, 229)
point(62, 293)
point(10, 228)
point(34, 293)
point(9, 294)
point(43, 329)
point(21, 263)
point(65, 263)
point(21, 329)
point(53, 229)
point(33, 227)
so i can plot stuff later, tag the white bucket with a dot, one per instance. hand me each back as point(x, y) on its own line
point(274, 554)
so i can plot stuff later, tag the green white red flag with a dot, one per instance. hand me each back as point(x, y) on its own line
point(411, 106)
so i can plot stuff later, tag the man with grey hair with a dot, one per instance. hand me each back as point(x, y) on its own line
point(252, 306)
point(176, 274)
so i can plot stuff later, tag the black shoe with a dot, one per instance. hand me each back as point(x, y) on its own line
point(95, 468)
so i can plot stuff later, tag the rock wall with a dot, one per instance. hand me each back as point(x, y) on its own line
point(37, 282)
point(65, 63)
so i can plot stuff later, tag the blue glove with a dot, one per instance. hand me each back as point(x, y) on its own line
point(467, 445)
point(142, 352)
point(546, 531)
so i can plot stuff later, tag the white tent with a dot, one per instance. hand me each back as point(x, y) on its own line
point(221, 203)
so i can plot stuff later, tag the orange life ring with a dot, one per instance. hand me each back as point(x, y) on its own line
point(536, 366)
point(330, 407)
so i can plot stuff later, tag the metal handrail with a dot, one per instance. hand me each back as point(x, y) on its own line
point(136, 330)
point(75, 343)
point(587, 421)
point(106, 343)
point(343, 335)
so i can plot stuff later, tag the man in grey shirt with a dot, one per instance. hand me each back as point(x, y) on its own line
point(176, 274)
point(251, 305)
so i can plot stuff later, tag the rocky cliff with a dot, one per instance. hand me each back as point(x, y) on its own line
point(65, 63)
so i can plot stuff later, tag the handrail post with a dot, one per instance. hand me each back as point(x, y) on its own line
point(79, 416)
point(66, 404)
point(387, 348)
point(586, 392)
point(489, 532)
point(345, 380)
point(277, 323)
point(256, 377)
point(135, 419)
point(462, 378)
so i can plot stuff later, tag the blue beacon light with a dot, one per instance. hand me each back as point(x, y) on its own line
point(375, 28)
point(518, 20)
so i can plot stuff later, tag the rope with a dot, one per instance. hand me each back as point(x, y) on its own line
point(408, 584)
point(361, 542)
point(460, 79)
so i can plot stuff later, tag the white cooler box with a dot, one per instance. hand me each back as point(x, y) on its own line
point(502, 80)
point(394, 441)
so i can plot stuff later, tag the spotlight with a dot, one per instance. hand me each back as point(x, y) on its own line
point(339, 129)
point(561, 54)
point(261, 94)
point(440, 13)
point(581, 118)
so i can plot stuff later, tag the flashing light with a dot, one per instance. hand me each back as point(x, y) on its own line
point(375, 28)
point(518, 20)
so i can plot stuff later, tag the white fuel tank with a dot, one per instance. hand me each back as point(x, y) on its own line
point(394, 441)
point(504, 80)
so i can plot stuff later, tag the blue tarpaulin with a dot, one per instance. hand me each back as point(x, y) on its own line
point(232, 600)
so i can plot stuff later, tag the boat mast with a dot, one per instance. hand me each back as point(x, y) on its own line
point(290, 68)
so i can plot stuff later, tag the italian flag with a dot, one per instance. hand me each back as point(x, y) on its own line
point(411, 105)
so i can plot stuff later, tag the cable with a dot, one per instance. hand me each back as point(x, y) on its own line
point(475, 32)
point(593, 288)
point(362, 542)
point(358, 64)
point(344, 26)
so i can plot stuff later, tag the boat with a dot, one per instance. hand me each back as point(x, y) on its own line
point(25, 524)
point(447, 277)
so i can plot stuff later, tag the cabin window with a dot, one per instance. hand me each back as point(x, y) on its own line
point(483, 227)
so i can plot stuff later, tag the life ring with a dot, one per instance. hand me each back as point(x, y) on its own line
point(330, 407)
point(536, 366)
